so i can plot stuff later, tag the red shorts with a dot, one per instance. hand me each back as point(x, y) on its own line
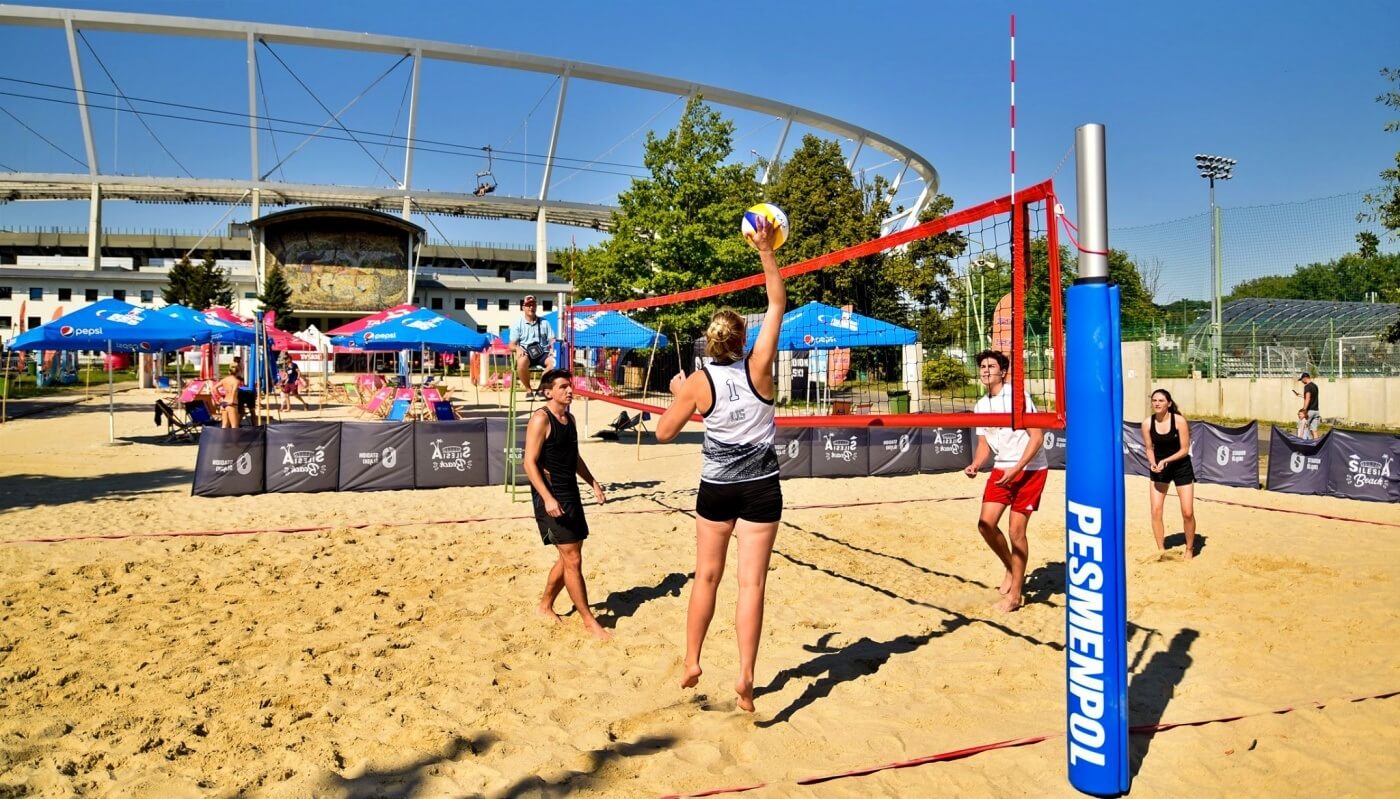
point(1021, 495)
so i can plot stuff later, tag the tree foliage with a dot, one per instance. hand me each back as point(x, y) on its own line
point(1386, 204)
point(1351, 278)
point(679, 228)
point(924, 273)
point(277, 296)
point(197, 286)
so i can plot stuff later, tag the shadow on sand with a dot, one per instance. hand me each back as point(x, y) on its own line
point(44, 490)
point(1151, 690)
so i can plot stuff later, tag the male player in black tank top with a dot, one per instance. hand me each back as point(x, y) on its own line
point(551, 463)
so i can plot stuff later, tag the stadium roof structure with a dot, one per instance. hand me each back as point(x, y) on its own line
point(198, 186)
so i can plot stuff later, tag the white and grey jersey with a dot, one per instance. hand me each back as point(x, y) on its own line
point(738, 428)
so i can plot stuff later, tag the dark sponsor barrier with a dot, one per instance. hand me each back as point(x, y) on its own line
point(794, 446)
point(230, 463)
point(945, 449)
point(452, 454)
point(375, 457)
point(1134, 453)
point(1225, 455)
point(1296, 466)
point(1054, 448)
point(893, 450)
point(496, 452)
point(303, 457)
point(1363, 465)
point(840, 452)
point(1344, 463)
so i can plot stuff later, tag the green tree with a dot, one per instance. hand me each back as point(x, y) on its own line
point(924, 273)
point(1386, 204)
point(1368, 244)
point(829, 212)
point(677, 229)
point(277, 296)
point(197, 286)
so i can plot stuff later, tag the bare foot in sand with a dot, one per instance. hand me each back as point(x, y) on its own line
point(548, 614)
point(745, 691)
point(691, 677)
point(1005, 587)
point(596, 630)
point(1010, 604)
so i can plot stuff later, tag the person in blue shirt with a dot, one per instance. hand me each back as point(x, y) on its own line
point(532, 339)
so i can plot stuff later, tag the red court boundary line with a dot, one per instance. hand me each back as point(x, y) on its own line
point(958, 754)
point(424, 523)
point(1300, 512)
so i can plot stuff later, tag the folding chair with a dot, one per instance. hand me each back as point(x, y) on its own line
point(164, 383)
point(622, 424)
point(378, 404)
point(438, 407)
point(402, 404)
point(175, 429)
point(198, 414)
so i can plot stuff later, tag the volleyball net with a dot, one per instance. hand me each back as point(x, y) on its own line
point(884, 332)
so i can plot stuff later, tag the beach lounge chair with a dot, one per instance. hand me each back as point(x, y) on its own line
point(622, 424)
point(438, 407)
point(165, 384)
point(401, 406)
point(176, 429)
point(198, 414)
point(378, 404)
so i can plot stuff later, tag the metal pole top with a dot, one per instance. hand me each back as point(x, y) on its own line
point(1092, 173)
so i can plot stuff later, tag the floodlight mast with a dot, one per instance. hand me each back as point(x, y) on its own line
point(1213, 167)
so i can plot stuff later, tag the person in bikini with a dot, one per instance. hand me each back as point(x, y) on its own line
point(226, 395)
point(551, 462)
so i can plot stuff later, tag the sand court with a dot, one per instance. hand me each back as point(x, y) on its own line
point(397, 652)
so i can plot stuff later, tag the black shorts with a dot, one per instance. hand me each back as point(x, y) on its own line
point(1179, 472)
point(568, 528)
point(759, 501)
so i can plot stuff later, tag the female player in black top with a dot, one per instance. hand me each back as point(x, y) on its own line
point(551, 463)
point(1168, 438)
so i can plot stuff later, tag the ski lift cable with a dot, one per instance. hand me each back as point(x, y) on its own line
point(418, 141)
point(525, 121)
point(619, 143)
point(267, 120)
point(231, 207)
point(46, 139)
point(243, 126)
point(334, 117)
point(446, 240)
point(122, 95)
point(407, 82)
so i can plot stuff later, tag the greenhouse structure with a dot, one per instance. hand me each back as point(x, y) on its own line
point(1283, 338)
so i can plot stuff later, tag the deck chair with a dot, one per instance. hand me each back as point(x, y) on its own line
point(165, 384)
point(438, 407)
point(401, 406)
point(378, 404)
point(175, 428)
point(622, 424)
point(198, 414)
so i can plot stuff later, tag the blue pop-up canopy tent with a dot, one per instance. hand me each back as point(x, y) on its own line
point(421, 329)
point(815, 326)
point(220, 332)
point(113, 325)
point(607, 329)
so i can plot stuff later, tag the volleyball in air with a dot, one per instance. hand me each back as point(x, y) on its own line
point(776, 218)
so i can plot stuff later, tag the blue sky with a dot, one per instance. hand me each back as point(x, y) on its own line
point(1287, 90)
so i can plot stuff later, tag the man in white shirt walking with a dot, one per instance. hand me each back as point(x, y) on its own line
point(1016, 482)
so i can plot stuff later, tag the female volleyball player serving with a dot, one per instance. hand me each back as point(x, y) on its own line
point(739, 490)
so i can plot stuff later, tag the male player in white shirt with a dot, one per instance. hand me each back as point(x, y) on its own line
point(1017, 479)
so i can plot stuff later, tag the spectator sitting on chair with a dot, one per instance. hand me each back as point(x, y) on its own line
point(532, 339)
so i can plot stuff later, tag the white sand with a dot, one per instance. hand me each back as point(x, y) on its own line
point(407, 660)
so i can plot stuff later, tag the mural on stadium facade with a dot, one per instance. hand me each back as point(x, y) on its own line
point(333, 267)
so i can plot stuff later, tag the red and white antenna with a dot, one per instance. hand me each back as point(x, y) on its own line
point(1013, 110)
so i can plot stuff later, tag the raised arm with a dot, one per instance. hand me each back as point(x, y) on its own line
point(765, 347)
